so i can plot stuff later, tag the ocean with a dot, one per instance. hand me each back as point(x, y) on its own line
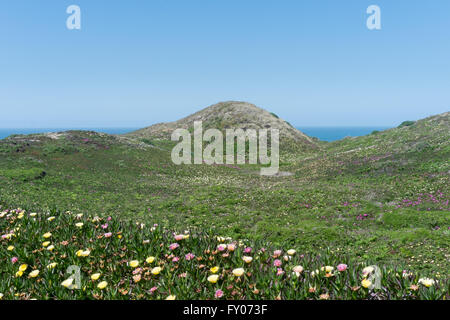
point(323, 133)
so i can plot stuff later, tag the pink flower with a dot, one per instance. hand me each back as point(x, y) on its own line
point(277, 263)
point(137, 271)
point(173, 246)
point(109, 218)
point(189, 256)
point(175, 259)
point(221, 247)
point(14, 259)
point(342, 267)
point(277, 253)
point(153, 289)
point(248, 250)
point(104, 226)
point(179, 237)
point(107, 235)
point(279, 272)
point(218, 294)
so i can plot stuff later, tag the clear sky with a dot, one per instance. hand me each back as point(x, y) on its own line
point(135, 63)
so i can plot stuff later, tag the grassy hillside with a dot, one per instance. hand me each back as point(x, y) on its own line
point(381, 198)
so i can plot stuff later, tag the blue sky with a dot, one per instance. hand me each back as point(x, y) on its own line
point(135, 63)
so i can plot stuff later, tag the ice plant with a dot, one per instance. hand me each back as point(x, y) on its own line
point(342, 267)
point(213, 278)
point(102, 285)
point(134, 263)
point(238, 272)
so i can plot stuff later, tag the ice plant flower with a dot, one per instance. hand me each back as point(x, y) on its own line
point(213, 278)
point(427, 282)
point(297, 270)
point(83, 253)
point(171, 297)
point(134, 263)
point(79, 224)
point(221, 247)
point(366, 283)
point(34, 274)
point(247, 259)
point(14, 259)
point(50, 247)
point(47, 235)
point(23, 267)
point(214, 269)
point(46, 243)
point(238, 272)
point(189, 256)
point(10, 248)
point(51, 218)
point(156, 270)
point(327, 269)
point(277, 262)
point(173, 246)
point(67, 283)
point(231, 247)
point(218, 294)
point(277, 253)
point(342, 267)
point(95, 276)
point(291, 252)
point(150, 259)
point(52, 265)
point(102, 285)
point(248, 250)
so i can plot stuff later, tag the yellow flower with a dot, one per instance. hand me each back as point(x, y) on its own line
point(156, 270)
point(79, 215)
point(327, 269)
point(238, 272)
point(51, 218)
point(150, 259)
point(1, 296)
point(19, 273)
point(52, 265)
point(33, 214)
point(34, 274)
point(10, 248)
point(50, 247)
point(81, 253)
point(214, 269)
point(213, 278)
point(291, 252)
point(171, 297)
point(247, 259)
point(67, 283)
point(427, 282)
point(23, 267)
point(366, 283)
point(134, 263)
point(46, 243)
point(79, 224)
point(119, 236)
point(47, 235)
point(102, 285)
point(95, 276)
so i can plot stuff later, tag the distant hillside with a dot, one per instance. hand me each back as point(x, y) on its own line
point(230, 114)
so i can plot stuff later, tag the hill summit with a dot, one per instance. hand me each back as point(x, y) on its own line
point(228, 115)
